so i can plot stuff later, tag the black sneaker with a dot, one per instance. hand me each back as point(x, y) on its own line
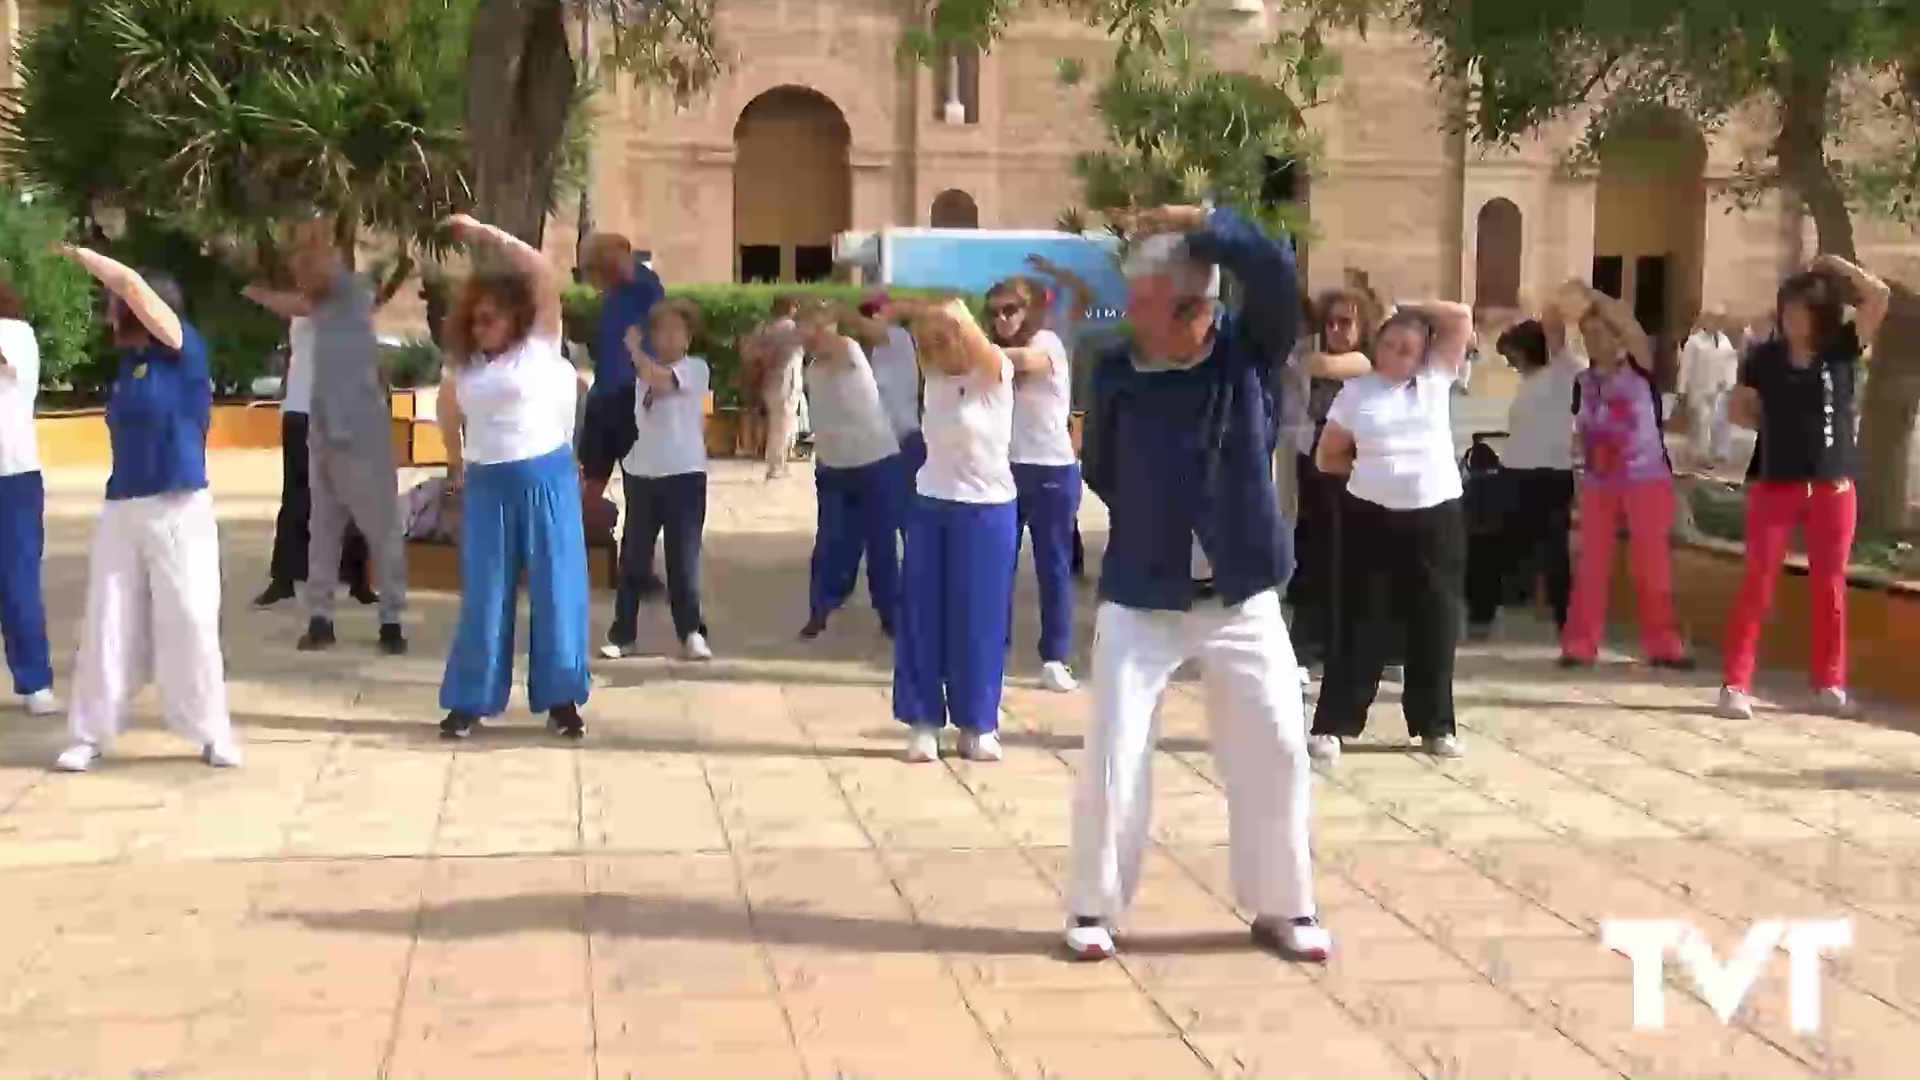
point(276, 592)
point(393, 642)
point(458, 725)
point(1479, 631)
point(1571, 662)
point(319, 636)
point(364, 594)
point(565, 722)
point(814, 628)
point(1674, 663)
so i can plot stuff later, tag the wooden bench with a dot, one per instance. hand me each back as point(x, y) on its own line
point(433, 566)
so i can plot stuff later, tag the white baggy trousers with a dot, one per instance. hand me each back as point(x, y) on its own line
point(1258, 722)
point(153, 613)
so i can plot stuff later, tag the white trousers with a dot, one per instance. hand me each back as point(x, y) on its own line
point(783, 420)
point(1258, 722)
point(1710, 430)
point(153, 614)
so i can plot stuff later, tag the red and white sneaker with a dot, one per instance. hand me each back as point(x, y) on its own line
point(1302, 939)
point(1090, 940)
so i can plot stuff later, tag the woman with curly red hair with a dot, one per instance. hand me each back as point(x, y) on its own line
point(507, 408)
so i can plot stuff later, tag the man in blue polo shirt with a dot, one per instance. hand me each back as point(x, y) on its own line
point(1179, 445)
point(628, 290)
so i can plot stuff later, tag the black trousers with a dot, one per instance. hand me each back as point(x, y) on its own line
point(1402, 573)
point(1531, 543)
point(673, 507)
point(607, 431)
point(1316, 529)
point(290, 536)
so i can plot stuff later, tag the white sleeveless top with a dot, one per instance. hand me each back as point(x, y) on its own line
point(968, 425)
point(519, 405)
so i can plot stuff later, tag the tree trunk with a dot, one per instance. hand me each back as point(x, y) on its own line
point(1890, 400)
point(520, 78)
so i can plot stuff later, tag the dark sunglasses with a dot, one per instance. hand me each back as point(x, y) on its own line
point(1002, 311)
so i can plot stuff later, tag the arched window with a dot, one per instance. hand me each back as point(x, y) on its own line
point(954, 209)
point(1496, 263)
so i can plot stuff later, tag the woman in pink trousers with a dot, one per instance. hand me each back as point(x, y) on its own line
point(1624, 476)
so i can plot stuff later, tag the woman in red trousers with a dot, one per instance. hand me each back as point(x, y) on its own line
point(1798, 393)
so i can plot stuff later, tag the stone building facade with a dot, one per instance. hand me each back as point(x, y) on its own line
point(816, 127)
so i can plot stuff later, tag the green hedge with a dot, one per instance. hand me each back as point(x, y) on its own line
point(729, 313)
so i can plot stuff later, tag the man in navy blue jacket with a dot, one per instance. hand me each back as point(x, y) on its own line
point(1181, 435)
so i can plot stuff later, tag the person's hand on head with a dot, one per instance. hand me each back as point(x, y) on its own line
point(1153, 221)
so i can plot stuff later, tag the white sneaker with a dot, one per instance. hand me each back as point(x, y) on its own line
point(923, 744)
point(696, 647)
point(1734, 704)
point(610, 651)
point(41, 703)
point(77, 758)
point(1058, 677)
point(1446, 746)
point(1324, 748)
point(221, 755)
point(980, 745)
point(1089, 940)
point(1294, 939)
point(1833, 701)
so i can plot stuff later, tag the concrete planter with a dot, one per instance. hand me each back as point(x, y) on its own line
point(1883, 618)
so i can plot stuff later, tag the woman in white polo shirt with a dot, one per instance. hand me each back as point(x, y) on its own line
point(1046, 471)
point(664, 477)
point(951, 650)
point(1403, 537)
point(856, 475)
point(23, 500)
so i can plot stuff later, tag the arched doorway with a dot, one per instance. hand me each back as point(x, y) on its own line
point(792, 186)
point(1496, 259)
point(954, 209)
point(1650, 224)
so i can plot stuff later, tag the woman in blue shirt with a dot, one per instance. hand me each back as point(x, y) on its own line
point(153, 588)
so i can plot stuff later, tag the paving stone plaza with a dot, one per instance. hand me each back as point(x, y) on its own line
point(735, 874)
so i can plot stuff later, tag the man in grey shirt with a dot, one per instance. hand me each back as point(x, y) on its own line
point(350, 448)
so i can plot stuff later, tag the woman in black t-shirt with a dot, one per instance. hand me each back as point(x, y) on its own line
point(1798, 393)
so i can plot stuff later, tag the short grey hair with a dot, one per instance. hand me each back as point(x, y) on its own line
point(1167, 253)
point(167, 288)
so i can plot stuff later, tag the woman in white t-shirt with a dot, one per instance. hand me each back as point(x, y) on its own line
point(23, 500)
point(507, 408)
point(664, 477)
point(962, 530)
point(896, 371)
point(856, 475)
point(1537, 468)
point(1046, 471)
point(1403, 537)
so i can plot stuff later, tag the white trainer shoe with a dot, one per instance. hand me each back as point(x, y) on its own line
point(1089, 939)
point(1734, 704)
point(1058, 677)
point(923, 744)
point(610, 651)
point(77, 758)
point(1294, 939)
point(41, 703)
point(696, 647)
point(1445, 746)
point(1324, 748)
point(221, 755)
point(1836, 702)
point(980, 745)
